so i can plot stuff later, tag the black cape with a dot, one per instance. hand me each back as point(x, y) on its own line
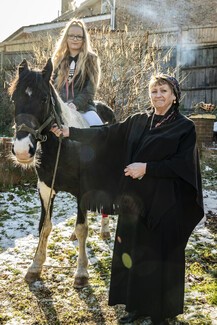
point(156, 214)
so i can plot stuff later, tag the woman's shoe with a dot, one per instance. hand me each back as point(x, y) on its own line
point(130, 317)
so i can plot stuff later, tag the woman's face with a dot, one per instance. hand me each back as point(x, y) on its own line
point(75, 39)
point(162, 97)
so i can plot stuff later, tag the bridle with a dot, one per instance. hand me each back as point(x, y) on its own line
point(50, 119)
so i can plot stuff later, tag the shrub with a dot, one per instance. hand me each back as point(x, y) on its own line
point(6, 115)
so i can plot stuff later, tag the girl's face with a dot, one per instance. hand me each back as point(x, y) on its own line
point(75, 39)
point(162, 97)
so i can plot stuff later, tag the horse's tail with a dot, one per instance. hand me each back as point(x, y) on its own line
point(105, 112)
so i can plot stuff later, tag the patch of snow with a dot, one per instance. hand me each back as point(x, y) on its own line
point(207, 169)
point(210, 201)
point(19, 234)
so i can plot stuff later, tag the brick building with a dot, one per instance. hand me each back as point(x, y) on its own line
point(148, 14)
point(166, 14)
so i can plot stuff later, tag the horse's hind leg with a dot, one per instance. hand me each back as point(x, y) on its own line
point(105, 233)
point(81, 232)
point(34, 271)
point(73, 236)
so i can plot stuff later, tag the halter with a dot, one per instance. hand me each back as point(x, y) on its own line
point(37, 133)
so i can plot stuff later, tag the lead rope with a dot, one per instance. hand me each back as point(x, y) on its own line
point(55, 168)
point(58, 154)
point(54, 173)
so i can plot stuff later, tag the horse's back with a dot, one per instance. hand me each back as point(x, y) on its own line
point(105, 112)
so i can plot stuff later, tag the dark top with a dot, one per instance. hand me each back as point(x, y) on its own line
point(72, 92)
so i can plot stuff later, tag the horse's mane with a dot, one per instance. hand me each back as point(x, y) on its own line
point(69, 114)
point(13, 86)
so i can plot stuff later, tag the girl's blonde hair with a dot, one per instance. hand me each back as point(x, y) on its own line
point(88, 61)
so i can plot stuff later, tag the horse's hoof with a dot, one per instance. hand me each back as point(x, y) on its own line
point(73, 237)
point(31, 277)
point(105, 235)
point(80, 282)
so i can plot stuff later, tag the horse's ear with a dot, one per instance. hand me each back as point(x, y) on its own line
point(47, 70)
point(22, 66)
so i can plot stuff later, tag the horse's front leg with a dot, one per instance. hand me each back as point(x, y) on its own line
point(45, 227)
point(81, 232)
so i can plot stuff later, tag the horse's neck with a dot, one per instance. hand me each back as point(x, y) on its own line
point(70, 116)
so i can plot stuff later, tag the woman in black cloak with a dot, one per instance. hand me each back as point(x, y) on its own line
point(150, 166)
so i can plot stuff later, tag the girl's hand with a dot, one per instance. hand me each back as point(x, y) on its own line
point(64, 131)
point(135, 170)
point(72, 106)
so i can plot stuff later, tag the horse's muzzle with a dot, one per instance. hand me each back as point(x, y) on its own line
point(23, 156)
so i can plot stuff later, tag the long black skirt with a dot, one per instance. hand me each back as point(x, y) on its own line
point(148, 267)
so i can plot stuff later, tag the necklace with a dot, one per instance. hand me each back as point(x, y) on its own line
point(163, 120)
point(152, 119)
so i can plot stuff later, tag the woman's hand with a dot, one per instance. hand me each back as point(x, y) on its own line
point(64, 131)
point(135, 170)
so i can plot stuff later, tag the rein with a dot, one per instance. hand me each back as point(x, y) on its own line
point(57, 159)
point(58, 151)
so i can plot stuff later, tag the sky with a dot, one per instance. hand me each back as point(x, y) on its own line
point(18, 13)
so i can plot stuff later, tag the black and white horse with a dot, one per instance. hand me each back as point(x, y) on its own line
point(37, 107)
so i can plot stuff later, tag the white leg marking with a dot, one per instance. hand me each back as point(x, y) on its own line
point(105, 233)
point(81, 231)
point(35, 269)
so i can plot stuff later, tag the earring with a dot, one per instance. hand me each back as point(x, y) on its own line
point(174, 102)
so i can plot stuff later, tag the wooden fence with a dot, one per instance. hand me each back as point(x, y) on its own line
point(199, 75)
point(194, 57)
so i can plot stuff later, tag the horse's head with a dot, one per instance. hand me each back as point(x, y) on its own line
point(31, 93)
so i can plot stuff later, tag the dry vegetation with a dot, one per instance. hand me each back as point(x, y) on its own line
point(127, 63)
